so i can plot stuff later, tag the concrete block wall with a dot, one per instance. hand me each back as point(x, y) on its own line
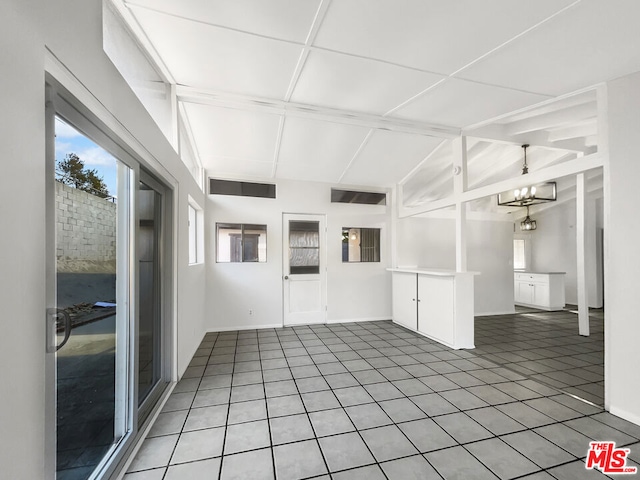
point(85, 230)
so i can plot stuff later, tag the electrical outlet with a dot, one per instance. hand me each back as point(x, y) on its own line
point(250, 312)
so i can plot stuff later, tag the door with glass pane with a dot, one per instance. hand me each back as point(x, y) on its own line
point(88, 319)
point(150, 209)
point(304, 269)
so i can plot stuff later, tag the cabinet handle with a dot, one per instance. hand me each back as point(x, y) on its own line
point(413, 299)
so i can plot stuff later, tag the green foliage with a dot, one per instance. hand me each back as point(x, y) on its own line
point(71, 171)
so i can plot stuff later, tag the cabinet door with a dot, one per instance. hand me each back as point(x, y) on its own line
point(541, 294)
point(435, 307)
point(524, 293)
point(404, 299)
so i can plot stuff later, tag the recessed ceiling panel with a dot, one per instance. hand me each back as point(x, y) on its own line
point(209, 57)
point(286, 19)
point(388, 157)
point(237, 168)
point(435, 35)
point(460, 103)
point(351, 83)
point(592, 42)
point(317, 151)
point(233, 134)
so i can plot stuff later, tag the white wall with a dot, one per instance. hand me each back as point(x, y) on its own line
point(71, 30)
point(622, 261)
point(430, 242)
point(553, 248)
point(356, 291)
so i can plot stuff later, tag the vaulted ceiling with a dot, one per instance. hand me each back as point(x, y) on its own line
point(371, 92)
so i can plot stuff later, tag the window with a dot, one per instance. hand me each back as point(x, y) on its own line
point(196, 234)
point(241, 189)
point(239, 242)
point(519, 262)
point(304, 247)
point(351, 196)
point(360, 244)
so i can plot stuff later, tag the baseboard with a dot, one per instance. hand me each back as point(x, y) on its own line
point(489, 314)
point(280, 325)
point(244, 327)
point(630, 417)
point(356, 320)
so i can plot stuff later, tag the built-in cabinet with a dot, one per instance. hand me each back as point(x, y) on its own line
point(435, 303)
point(544, 290)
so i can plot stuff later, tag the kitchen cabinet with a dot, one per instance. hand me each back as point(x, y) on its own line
point(435, 303)
point(543, 290)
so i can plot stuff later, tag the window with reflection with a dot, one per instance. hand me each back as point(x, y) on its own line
point(360, 245)
point(304, 247)
point(240, 242)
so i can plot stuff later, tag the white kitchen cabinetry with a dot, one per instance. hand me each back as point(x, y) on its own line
point(544, 290)
point(435, 303)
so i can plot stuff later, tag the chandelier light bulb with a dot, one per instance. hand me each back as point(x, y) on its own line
point(524, 191)
point(533, 191)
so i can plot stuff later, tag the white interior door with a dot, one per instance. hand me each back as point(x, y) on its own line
point(304, 269)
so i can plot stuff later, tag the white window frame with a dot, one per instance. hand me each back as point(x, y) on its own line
point(195, 221)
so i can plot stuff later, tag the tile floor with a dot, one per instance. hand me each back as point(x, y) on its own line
point(546, 347)
point(368, 400)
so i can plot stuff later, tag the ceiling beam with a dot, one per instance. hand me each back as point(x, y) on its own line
point(333, 115)
point(582, 129)
point(565, 169)
point(559, 118)
point(498, 133)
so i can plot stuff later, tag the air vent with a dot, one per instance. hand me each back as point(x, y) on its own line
point(241, 189)
point(351, 196)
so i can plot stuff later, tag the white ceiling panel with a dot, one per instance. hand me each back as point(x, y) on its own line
point(318, 150)
point(351, 83)
point(220, 59)
point(236, 168)
point(435, 35)
point(233, 134)
point(286, 19)
point(593, 42)
point(460, 103)
point(388, 157)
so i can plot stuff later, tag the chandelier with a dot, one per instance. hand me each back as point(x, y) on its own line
point(527, 224)
point(530, 194)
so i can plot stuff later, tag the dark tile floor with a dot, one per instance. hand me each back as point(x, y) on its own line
point(371, 400)
point(546, 347)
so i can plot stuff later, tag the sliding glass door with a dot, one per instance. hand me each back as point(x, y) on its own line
point(107, 338)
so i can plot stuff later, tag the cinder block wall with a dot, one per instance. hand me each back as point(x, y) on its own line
point(86, 231)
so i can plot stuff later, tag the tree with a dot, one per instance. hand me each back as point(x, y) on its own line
point(71, 171)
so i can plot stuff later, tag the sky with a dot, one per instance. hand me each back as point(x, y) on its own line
point(69, 140)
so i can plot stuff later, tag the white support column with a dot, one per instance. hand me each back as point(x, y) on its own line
point(396, 199)
point(459, 187)
point(581, 261)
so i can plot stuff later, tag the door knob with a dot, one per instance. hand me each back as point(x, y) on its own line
point(286, 277)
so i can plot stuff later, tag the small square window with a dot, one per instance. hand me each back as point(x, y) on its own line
point(360, 245)
point(240, 242)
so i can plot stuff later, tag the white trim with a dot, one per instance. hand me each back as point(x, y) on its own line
point(358, 320)
point(244, 327)
point(490, 314)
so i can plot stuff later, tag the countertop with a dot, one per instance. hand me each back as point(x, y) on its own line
point(438, 272)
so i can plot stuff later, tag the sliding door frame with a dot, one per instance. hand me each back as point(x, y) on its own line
point(60, 102)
